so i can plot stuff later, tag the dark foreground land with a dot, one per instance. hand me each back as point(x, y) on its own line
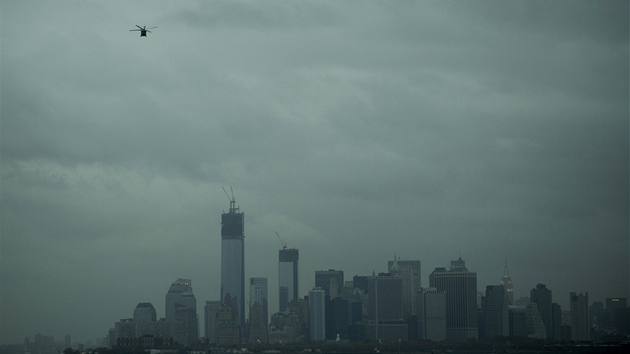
point(419, 347)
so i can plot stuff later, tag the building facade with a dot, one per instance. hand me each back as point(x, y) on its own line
point(580, 324)
point(431, 312)
point(181, 312)
point(542, 297)
point(494, 308)
point(410, 272)
point(460, 286)
point(331, 281)
point(317, 314)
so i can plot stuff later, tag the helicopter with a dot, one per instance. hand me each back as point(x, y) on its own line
point(143, 30)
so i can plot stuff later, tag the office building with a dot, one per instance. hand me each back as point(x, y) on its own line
point(534, 322)
point(233, 263)
point(385, 308)
point(431, 314)
point(580, 321)
point(181, 312)
point(144, 316)
point(494, 309)
point(317, 314)
point(410, 273)
point(542, 297)
point(460, 286)
point(617, 314)
point(287, 276)
point(258, 292)
point(506, 281)
point(331, 281)
point(211, 323)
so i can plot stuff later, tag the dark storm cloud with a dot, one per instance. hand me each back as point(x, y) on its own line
point(358, 131)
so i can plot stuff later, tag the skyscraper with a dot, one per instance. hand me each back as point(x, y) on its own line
point(506, 281)
point(181, 312)
point(210, 320)
point(385, 308)
point(317, 314)
point(494, 309)
point(143, 315)
point(460, 286)
point(258, 294)
point(542, 297)
point(410, 272)
point(331, 281)
point(233, 262)
point(431, 312)
point(580, 329)
point(287, 276)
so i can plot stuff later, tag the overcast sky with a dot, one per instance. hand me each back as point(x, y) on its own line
point(359, 131)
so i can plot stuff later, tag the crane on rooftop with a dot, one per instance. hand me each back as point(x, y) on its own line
point(284, 244)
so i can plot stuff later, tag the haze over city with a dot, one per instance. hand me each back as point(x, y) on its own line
point(358, 131)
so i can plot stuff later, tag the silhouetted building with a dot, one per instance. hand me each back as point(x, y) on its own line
point(518, 321)
point(331, 281)
point(460, 287)
point(144, 316)
point(317, 314)
point(125, 328)
point(285, 327)
point(181, 313)
point(506, 281)
point(385, 309)
point(542, 297)
point(233, 262)
point(556, 321)
point(580, 321)
point(534, 323)
point(211, 321)
point(431, 308)
point(617, 315)
point(229, 330)
point(410, 273)
point(494, 308)
point(287, 276)
point(257, 327)
point(258, 292)
point(174, 296)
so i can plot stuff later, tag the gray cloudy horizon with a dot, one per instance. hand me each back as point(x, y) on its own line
point(359, 131)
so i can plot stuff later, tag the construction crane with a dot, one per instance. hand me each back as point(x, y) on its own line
point(284, 244)
point(232, 200)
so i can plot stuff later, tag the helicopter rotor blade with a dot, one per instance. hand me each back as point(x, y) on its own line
point(140, 27)
point(152, 27)
point(135, 30)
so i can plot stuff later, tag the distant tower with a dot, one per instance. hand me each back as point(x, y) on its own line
point(506, 281)
point(580, 324)
point(287, 276)
point(211, 322)
point(143, 316)
point(495, 313)
point(233, 262)
point(258, 292)
point(331, 281)
point(542, 297)
point(181, 312)
point(317, 314)
point(460, 286)
point(410, 272)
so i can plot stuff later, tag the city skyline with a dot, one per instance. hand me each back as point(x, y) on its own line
point(429, 130)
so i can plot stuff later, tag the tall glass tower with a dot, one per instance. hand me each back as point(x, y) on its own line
point(233, 262)
point(287, 276)
point(460, 286)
